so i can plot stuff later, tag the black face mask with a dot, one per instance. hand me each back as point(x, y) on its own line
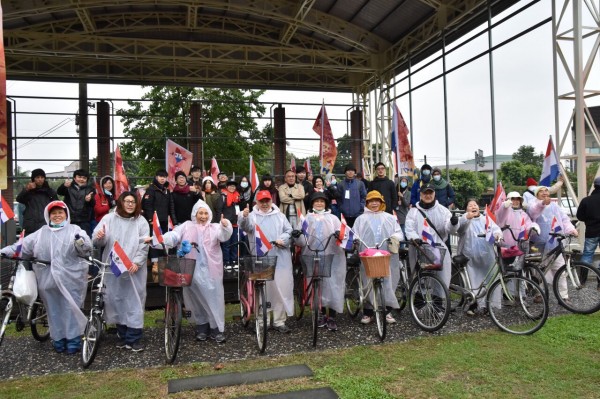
point(426, 206)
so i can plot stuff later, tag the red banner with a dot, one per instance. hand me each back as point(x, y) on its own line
point(403, 157)
point(121, 183)
point(3, 116)
point(178, 158)
point(327, 149)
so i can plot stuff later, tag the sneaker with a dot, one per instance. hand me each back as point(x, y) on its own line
point(282, 329)
point(60, 346)
point(135, 347)
point(389, 318)
point(72, 351)
point(218, 338)
point(201, 336)
point(366, 319)
point(322, 322)
point(121, 344)
point(470, 312)
point(331, 324)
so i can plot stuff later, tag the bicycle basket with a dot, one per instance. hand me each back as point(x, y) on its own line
point(431, 258)
point(317, 265)
point(259, 268)
point(175, 272)
point(376, 263)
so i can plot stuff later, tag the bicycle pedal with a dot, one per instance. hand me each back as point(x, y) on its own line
point(187, 314)
point(268, 305)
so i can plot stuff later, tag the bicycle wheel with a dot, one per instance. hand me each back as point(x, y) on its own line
point(6, 303)
point(457, 296)
point(260, 316)
point(534, 273)
point(429, 301)
point(582, 295)
point(173, 315)
point(39, 322)
point(517, 305)
point(243, 296)
point(379, 308)
point(402, 288)
point(315, 307)
point(353, 289)
point(299, 294)
point(91, 340)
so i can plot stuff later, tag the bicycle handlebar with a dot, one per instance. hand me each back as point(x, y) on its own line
point(20, 259)
point(321, 241)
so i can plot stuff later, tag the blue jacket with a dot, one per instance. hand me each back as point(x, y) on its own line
point(444, 196)
point(355, 204)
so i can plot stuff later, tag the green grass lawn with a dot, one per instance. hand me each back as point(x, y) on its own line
point(559, 361)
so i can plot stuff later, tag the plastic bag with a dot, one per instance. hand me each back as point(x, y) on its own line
point(25, 286)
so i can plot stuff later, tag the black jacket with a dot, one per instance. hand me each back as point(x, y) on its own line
point(35, 202)
point(81, 211)
point(158, 198)
point(589, 213)
point(183, 204)
point(387, 188)
point(308, 190)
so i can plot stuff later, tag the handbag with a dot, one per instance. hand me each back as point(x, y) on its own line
point(25, 285)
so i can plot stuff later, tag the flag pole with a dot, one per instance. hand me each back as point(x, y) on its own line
point(322, 132)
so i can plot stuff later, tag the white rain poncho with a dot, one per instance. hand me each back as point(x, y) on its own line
point(479, 251)
point(320, 228)
point(440, 218)
point(205, 297)
point(62, 285)
point(275, 226)
point(517, 219)
point(125, 297)
point(372, 228)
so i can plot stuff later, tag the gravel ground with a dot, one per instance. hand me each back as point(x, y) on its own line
point(24, 356)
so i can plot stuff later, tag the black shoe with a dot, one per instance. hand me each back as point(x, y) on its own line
point(135, 347)
point(218, 338)
point(201, 336)
point(282, 329)
point(121, 344)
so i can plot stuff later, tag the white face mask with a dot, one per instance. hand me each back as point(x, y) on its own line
point(426, 172)
point(403, 184)
point(244, 184)
point(437, 177)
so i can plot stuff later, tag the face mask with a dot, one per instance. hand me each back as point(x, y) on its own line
point(244, 184)
point(333, 181)
point(426, 172)
point(403, 184)
point(437, 177)
point(58, 225)
point(107, 192)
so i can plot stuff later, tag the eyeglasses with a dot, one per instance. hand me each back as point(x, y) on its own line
point(381, 168)
point(129, 202)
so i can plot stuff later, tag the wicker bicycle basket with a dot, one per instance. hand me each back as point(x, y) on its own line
point(175, 272)
point(317, 265)
point(431, 258)
point(376, 266)
point(259, 268)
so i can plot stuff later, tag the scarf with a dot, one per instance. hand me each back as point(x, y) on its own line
point(439, 185)
point(181, 189)
point(426, 206)
point(231, 198)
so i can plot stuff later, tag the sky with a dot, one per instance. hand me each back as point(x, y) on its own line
point(524, 103)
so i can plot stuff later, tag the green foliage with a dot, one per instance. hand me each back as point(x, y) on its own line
point(527, 156)
point(515, 173)
point(228, 127)
point(467, 184)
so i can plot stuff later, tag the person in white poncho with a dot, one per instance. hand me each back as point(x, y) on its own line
point(277, 229)
point(321, 225)
point(205, 297)
point(125, 299)
point(372, 227)
point(61, 285)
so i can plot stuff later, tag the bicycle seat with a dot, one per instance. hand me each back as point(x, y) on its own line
point(460, 260)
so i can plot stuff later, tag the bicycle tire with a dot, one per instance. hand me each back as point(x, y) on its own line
point(5, 302)
point(522, 308)
point(40, 329)
point(379, 309)
point(533, 272)
point(315, 307)
point(92, 337)
point(457, 296)
point(173, 316)
point(352, 296)
point(429, 301)
point(260, 317)
point(402, 288)
point(582, 289)
point(245, 314)
point(299, 295)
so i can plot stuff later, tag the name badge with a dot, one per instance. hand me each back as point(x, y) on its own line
point(237, 209)
point(347, 196)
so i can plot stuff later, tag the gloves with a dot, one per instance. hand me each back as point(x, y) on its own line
point(296, 233)
point(336, 234)
point(79, 241)
point(454, 219)
point(185, 249)
point(507, 203)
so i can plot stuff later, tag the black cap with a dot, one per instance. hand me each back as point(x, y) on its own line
point(426, 166)
point(37, 172)
point(427, 187)
point(180, 173)
point(231, 183)
point(319, 195)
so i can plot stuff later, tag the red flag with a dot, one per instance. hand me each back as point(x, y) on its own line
point(214, 170)
point(3, 117)
point(327, 149)
point(157, 237)
point(403, 157)
point(6, 213)
point(121, 183)
point(293, 165)
point(177, 158)
point(98, 187)
point(307, 167)
point(254, 182)
point(499, 198)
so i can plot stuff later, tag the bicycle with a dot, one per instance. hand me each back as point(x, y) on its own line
point(510, 296)
point(253, 274)
point(308, 287)
point(95, 328)
point(582, 296)
point(35, 314)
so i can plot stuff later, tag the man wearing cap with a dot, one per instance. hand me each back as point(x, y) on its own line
point(278, 230)
point(532, 185)
point(589, 213)
point(184, 197)
point(385, 187)
point(424, 178)
point(35, 196)
point(79, 197)
point(352, 195)
point(291, 198)
point(440, 224)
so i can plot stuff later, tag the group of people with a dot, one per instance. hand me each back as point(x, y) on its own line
point(214, 215)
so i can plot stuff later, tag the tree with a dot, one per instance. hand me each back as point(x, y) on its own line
point(527, 156)
point(229, 127)
point(467, 184)
point(514, 174)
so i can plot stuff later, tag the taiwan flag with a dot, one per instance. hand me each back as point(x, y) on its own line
point(427, 233)
point(119, 261)
point(346, 237)
point(262, 243)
